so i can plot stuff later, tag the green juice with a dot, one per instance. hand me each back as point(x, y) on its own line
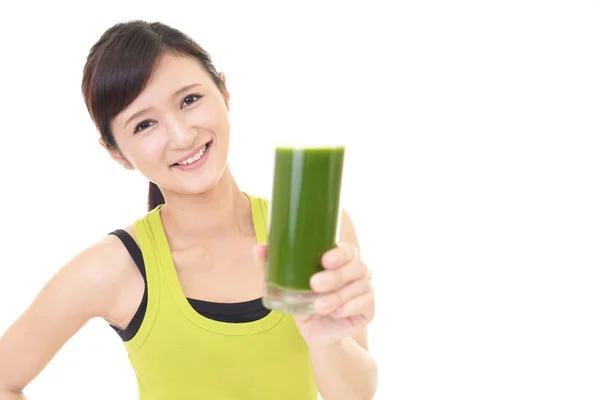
point(303, 216)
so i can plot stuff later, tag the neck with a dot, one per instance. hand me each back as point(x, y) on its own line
point(220, 212)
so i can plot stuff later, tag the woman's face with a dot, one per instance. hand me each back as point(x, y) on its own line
point(176, 132)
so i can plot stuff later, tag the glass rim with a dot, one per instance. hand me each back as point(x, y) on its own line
point(284, 146)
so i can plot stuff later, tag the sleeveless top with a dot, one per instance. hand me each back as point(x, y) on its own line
point(178, 353)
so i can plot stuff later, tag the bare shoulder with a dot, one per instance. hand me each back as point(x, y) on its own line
point(98, 272)
point(103, 262)
point(119, 278)
point(90, 283)
point(87, 286)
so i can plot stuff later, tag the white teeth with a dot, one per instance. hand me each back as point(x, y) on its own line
point(195, 157)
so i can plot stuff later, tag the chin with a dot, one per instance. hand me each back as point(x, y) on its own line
point(204, 182)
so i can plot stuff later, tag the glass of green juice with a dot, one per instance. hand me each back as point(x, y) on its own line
point(304, 218)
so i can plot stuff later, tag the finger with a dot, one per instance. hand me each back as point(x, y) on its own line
point(339, 256)
point(331, 301)
point(330, 280)
point(260, 252)
point(363, 305)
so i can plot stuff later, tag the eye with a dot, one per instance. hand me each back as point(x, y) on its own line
point(143, 125)
point(190, 99)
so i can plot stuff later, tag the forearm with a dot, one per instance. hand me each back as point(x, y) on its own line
point(344, 371)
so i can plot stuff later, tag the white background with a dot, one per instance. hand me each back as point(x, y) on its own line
point(472, 174)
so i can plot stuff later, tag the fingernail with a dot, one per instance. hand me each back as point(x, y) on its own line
point(339, 312)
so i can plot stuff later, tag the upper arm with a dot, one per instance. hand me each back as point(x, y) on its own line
point(77, 292)
point(348, 235)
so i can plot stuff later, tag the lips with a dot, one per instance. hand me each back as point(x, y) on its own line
point(191, 158)
point(196, 160)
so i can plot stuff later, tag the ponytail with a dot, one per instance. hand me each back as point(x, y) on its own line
point(155, 197)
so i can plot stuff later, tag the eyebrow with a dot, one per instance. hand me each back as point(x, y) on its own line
point(177, 92)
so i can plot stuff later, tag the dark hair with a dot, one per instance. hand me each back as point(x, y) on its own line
point(119, 66)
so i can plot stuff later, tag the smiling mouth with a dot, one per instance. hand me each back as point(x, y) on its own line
point(195, 157)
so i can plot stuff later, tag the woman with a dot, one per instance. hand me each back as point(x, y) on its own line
point(182, 285)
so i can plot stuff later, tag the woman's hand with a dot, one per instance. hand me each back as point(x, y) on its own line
point(346, 302)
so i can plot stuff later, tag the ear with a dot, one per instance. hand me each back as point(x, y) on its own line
point(117, 156)
point(224, 90)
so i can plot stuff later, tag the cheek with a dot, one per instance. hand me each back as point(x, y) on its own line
point(150, 150)
point(211, 117)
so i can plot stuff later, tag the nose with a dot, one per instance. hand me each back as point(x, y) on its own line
point(181, 134)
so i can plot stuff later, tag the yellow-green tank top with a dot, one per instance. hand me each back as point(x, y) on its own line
point(178, 354)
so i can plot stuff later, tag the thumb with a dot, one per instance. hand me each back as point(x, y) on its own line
point(260, 253)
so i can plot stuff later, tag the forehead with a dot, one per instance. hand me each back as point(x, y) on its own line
point(170, 74)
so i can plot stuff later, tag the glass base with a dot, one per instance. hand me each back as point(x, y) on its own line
point(287, 300)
